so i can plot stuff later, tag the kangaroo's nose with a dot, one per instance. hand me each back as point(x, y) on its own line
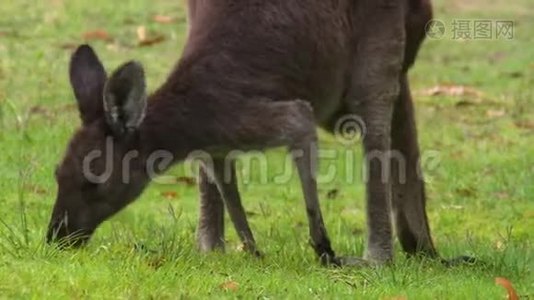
point(60, 233)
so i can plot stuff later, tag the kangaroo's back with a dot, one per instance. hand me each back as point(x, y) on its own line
point(278, 49)
point(286, 49)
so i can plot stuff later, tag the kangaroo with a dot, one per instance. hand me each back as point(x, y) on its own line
point(254, 75)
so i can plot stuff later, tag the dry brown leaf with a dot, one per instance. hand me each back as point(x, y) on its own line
point(500, 245)
point(452, 207)
point(141, 33)
point(498, 57)
point(115, 47)
point(458, 154)
point(512, 294)
point(452, 90)
point(68, 107)
point(189, 181)
point(230, 285)
point(466, 192)
point(502, 195)
point(169, 195)
point(152, 41)
point(39, 110)
point(68, 46)
point(98, 34)
point(157, 262)
point(163, 19)
point(525, 124)
point(241, 248)
point(145, 40)
point(36, 189)
point(492, 113)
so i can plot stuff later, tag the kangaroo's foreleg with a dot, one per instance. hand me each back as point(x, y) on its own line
point(268, 124)
point(225, 178)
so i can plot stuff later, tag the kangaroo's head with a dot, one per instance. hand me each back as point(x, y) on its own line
point(101, 171)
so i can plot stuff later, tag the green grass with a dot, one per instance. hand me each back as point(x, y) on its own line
point(480, 194)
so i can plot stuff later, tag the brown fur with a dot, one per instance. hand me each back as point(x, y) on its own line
point(244, 65)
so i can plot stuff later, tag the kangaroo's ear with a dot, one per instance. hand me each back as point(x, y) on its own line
point(87, 78)
point(125, 98)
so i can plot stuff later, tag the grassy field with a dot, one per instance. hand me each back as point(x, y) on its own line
point(480, 171)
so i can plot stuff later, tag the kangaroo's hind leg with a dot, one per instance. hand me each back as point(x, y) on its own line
point(408, 190)
point(374, 88)
point(210, 232)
